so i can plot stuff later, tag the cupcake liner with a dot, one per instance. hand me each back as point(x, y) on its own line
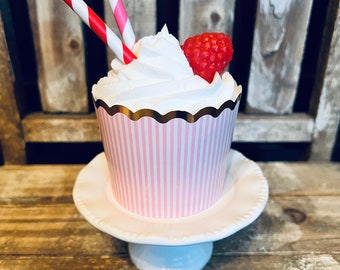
point(167, 170)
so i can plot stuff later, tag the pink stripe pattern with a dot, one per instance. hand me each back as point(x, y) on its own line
point(123, 22)
point(91, 19)
point(170, 170)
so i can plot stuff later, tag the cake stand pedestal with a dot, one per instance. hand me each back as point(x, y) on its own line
point(182, 243)
point(154, 257)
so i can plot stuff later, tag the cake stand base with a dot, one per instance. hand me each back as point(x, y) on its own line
point(183, 243)
point(155, 257)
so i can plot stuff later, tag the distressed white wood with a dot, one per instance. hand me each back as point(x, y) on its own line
point(75, 128)
point(142, 15)
point(279, 38)
point(266, 128)
point(61, 128)
point(60, 57)
point(328, 113)
point(197, 16)
point(278, 47)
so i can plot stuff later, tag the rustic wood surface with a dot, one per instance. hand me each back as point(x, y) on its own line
point(277, 54)
point(328, 110)
point(197, 16)
point(11, 135)
point(40, 228)
point(59, 50)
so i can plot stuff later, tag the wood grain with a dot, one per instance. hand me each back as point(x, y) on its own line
point(249, 128)
point(290, 226)
point(122, 262)
point(328, 112)
point(270, 128)
point(279, 262)
point(60, 56)
point(279, 38)
point(40, 228)
point(302, 179)
point(11, 135)
point(61, 128)
point(275, 68)
point(197, 16)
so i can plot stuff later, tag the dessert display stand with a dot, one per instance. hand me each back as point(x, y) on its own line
point(182, 243)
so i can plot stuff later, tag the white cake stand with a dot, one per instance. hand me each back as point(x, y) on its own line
point(183, 243)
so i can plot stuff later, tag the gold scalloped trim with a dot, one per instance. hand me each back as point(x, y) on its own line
point(190, 118)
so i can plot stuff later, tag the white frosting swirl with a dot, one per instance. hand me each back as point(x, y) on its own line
point(162, 80)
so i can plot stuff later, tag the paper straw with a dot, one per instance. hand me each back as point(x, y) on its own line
point(91, 19)
point(123, 22)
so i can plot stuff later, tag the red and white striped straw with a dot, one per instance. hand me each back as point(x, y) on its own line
point(123, 22)
point(89, 17)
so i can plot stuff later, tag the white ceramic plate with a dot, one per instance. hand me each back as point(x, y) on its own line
point(242, 202)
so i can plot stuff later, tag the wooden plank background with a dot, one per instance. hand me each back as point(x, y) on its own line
point(280, 35)
point(268, 113)
point(328, 110)
point(205, 16)
point(275, 66)
point(60, 56)
point(12, 142)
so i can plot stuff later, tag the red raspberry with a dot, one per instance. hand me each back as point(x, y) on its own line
point(208, 53)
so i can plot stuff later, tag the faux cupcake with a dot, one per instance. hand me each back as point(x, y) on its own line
point(167, 121)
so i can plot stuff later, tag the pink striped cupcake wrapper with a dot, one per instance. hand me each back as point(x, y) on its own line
point(166, 170)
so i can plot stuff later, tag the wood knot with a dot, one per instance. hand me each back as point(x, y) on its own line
point(73, 43)
point(295, 215)
point(215, 17)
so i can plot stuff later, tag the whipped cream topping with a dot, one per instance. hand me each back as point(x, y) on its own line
point(162, 80)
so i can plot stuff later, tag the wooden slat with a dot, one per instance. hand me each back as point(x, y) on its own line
point(277, 262)
point(197, 16)
point(289, 225)
point(42, 173)
point(270, 128)
point(84, 128)
point(302, 179)
point(61, 128)
point(328, 112)
point(76, 262)
point(277, 54)
point(141, 14)
point(11, 135)
point(49, 225)
point(60, 53)
point(122, 262)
